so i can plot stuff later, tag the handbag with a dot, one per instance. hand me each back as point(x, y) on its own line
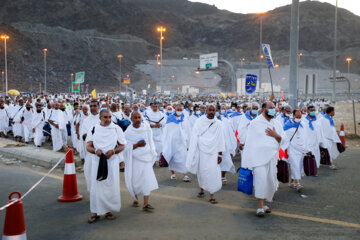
point(340, 147)
point(102, 172)
point(310, 167)
point(325, 156)
point(283, 171)
point(245, 181)
point(68, 128)
point(162, 161)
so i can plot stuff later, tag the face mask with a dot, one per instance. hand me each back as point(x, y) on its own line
point(242, 111)
point(161, 108)
point(217, 114)
point(222, 111)
point(179, 113)
point(192, 108)
point(271, 112)
point(198, 112)
point(313, 113)
point(297, 120)
point(254, 112)
point(233, 108)
point(169, 111)
point(287, 114)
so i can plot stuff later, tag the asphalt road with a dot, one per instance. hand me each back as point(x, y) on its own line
point(330, 211)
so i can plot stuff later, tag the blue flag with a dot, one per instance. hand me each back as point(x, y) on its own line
point(267, 53)
point(250, 83)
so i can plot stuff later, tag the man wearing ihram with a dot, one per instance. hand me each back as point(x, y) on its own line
point(261, 150)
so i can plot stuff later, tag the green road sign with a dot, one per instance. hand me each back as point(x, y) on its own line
point(208, 65)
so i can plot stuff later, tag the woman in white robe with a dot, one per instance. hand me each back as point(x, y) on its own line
point(105, 138)
point(330, 137)
point(227, 164)
point(175, 143)
point(140, 156)
point(296, 147)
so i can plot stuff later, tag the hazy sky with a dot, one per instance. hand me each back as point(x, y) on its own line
point(256, 6)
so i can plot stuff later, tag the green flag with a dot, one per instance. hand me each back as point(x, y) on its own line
point(80, 77)
point(75, 87)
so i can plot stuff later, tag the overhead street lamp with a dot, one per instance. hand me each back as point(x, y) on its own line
point(348, 60)
point(45, 53)
point(161, 30)
point(5, 37)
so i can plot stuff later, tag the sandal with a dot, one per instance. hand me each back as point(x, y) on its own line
point(267, 209)
point(148, 208)
point(201, 195)
point(93, 218)
point(173, 177)
point(135, 204)
point(213, 201)
point(187, 179)
point(110, 216)
point(224, 180)
point(260, 212)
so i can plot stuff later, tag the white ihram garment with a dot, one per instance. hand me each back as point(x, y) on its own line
point(260, 154)
point(105, 194)
point(139, 173)
point(206, 141)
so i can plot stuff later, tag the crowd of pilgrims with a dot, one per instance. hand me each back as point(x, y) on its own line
point(199, 136)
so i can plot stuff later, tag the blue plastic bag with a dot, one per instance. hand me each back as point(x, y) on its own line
point(245, 181)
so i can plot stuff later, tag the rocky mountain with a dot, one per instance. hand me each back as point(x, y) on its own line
point(87, 35)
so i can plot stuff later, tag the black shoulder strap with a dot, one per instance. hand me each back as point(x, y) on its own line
point(294, 133)
point(93, 130)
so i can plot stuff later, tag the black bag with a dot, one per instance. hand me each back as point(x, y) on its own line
point(123, 124)
point(68, 128)
point(10, 122)
point(340, 147)
point(325, 156)
point(46, 129)
point(102, 172)
point(283, 171)
point(162, 161)
point(310, 167)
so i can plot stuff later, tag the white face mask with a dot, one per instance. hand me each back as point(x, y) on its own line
point(297, 120)
point(178, 113)
point(233, 108)
point(198, 112)
point(287, 114)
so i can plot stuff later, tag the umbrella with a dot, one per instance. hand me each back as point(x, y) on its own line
point(14, 92)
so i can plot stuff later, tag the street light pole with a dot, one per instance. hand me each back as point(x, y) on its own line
point(260, 51)
point(348, 60)
point(294, 47)
point(241, 74)
point(335, 40)
point(161, 30)
point(5, 37)
point(3, 79)
point(72, 80)
point(120, 56)
point(45, 52)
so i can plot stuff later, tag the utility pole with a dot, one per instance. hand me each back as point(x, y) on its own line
point(294, 47)
point(333, 97)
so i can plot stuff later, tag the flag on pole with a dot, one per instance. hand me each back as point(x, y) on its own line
point(250, 83)
point(93, 93)
point(267, 53)
point(282, 95)
point(80, 77)
point(75, 87)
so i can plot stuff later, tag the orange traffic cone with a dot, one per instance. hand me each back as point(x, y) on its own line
point(14, 227)
point(342, 134)
point(70, 191)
